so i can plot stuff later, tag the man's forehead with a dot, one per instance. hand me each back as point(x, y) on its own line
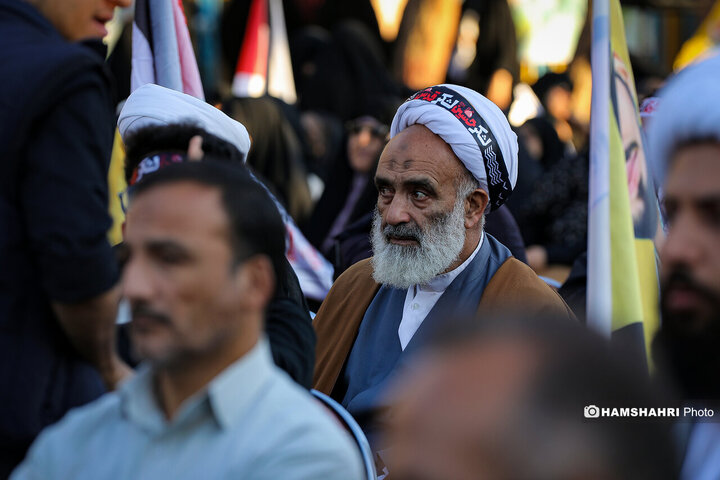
point(416, 134)
point(184, 207)
point(447, 398)
point(417, 149)
point(185, 191)
point(695, 169)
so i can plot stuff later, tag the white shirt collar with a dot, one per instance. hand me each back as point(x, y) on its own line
point(440, 282)
point(420, 299)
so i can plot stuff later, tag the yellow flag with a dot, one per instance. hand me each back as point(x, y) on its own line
point(623, 218)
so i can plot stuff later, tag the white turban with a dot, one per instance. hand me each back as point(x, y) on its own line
point(155, 105)
point(689, 109)
point(451, 112)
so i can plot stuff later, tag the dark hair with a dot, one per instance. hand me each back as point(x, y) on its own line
point(549, 81)
point(175, 137)
point(254, 222)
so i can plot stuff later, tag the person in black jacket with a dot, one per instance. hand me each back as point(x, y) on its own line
point(58, 299)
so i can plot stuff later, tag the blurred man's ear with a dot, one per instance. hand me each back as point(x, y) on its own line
point(255, 279)
point(477, 202)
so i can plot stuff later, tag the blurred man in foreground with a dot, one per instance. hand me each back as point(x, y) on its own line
point(160, 127)
point(203, 246)
point(515, 400)
point(684, 140)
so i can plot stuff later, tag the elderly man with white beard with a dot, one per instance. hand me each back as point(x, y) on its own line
point(452, 158)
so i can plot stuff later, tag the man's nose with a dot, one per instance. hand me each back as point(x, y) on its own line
point(136, 281)
point(398, 211)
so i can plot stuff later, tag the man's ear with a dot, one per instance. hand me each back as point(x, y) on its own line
point(255, 279)
point(476, 203)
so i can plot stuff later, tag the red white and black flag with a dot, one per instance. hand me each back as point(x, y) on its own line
point(162, 50)
point(263, 65)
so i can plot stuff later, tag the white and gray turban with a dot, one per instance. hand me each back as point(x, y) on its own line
point(476, 130)
point(689, 109)
point(155, 105)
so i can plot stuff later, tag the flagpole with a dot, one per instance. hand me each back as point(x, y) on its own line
point(599, 291)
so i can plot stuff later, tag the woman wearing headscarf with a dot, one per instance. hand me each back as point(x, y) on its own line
point(553, 213)
point(349, 191)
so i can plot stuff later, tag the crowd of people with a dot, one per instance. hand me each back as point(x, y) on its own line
point(442, 339)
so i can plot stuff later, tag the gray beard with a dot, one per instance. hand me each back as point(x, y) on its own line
point(402, 266)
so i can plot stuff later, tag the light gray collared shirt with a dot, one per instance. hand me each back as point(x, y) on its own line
point(251, 422)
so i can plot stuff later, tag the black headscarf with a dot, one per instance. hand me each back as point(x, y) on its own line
point(342, 73)
point(332, 201)
point(553, 148)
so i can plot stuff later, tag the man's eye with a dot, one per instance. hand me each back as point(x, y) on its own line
point(711, 214)
point(418, 195)
point(384, 191)
point(670, 209)
point(172, 257)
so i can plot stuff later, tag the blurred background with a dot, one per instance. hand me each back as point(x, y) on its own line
point(549, 35)
point(316, 83)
